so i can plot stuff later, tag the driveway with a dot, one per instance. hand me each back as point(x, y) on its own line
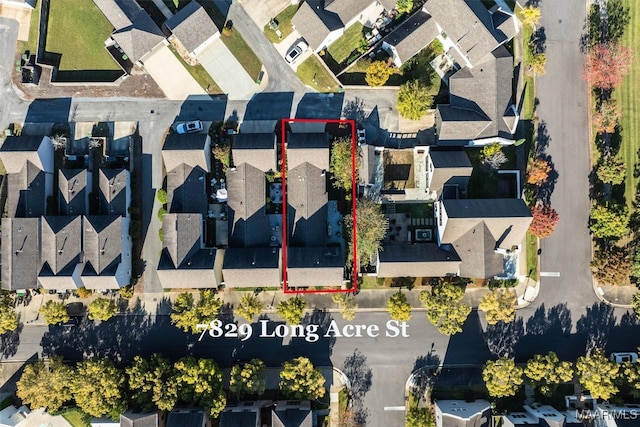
point(227, 72)
point(20, 14)
point(287, 43)
point(261, 11)
point(174, 80)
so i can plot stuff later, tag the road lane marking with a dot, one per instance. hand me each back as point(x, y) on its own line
point(549, 274)
point(394, 408)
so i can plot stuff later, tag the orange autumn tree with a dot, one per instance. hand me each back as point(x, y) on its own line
point(538, 171)
point(606, 119)
point(544, 221)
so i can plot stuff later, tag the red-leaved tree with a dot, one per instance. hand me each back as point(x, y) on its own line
point(544, 221)
point(607, 65)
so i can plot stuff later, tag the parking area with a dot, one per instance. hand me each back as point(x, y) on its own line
point(174, 80)
point(290, 41)
point(227, 72)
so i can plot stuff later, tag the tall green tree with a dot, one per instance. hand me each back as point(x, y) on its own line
point(45, 384)
point(250, 306)
point(609, 222)
point(630, 375)
point(340, 164)
point(292, 309)
point(371, 227)
point(547, 372)
point(398, 307)
point(8, 316)
point(97, 387)
point(414, 100)
point(404, 6)
point(151, 383)
point(199, 382)
point(102, 309)
point(54, 312)
point(502, 377)
point(612, 266)
point(611, 170)
point(499, 305)
point(248, 379)
point(598, 374)
point(187, 314)
point(300, 380)
point(618, 18)
point(347, 304)
point(445, 309)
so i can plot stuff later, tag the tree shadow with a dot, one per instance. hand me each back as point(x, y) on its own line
point(556, 320)
point(423, 371)
point(502, 337)
point(597, 323)
point(360, 376)
point(354, 110)
point(542, 144)
point(10, 341)
point(322, 319)
point(539, 40)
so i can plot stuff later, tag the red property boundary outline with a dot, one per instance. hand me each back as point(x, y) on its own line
point(285, 224)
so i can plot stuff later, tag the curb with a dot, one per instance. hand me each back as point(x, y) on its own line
point(601, 298)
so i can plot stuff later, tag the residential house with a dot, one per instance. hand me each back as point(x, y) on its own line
point(192, 27)
point(485, 233)
point(323, 22)
point(543, 415)
point(459, 413)
point(128, 419)
point(61, 252)
point(135, 32)
point(315, 248)
point(27, 4)
point(107, 249)
point(417, 260)
point(20, 253)
point(411, 37)
point(448, 173)
point(186, 417)
point(255, 233)
point(245, 414)
point(12, 416)
point(28, 161)
point(291, 414)
point(73, 198)
point(114, 197)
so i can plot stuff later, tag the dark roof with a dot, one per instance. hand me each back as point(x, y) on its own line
point(26, 192)
point(417, 260)
point(314, 24)
point(113, 191)
point(476, 248)
point(190, 149)
point(291, 417)
point(315, 266)
point(132, 419)
point(307, 205)
point(187, 141)
point(308, 147)
point(185, 418)
point(22, 143)
point(449, 167)
point(72, 191)
point(487, 208)
point(246, 418)
point(61, 244)
point(20, 252)
point(182, 234)
point(102, 236)
point(450, 159)
point(186, 189)
point(246, 197)
point(192, 26)
point(251, 267)
point(413, 35)
point(256, 149)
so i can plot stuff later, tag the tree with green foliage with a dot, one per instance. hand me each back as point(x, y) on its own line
point(8, 316)
point(54, 312)
point(187, 314)
point(611, 170)
point(248, 379)
point(418, 416)
point(609, 222)
point(618, 18)
point(161, 196)
point(635, 304)
point(363, 45)
point(102, 309)
point(530, 15)
point(292, 309)
point(151, 383)
point(612, 266)
point(492, 155)
point(502, 377)
point(404, 6)
point(45, 384)
point(546, 372)
point(499, 305)
point(300, 380)
point(97, 388)
point(445, 309)
point(250, 306)
point(538, 63)
point(378, 73)
point(630, 376)
point(598, 374)
point(126, 292)
point(340, 164)
point(371, 228)
point(398, 307)
point(414, 100)
point(199, 382)
point(347, 304)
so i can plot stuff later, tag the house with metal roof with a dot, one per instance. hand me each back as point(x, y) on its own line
point(193, 28)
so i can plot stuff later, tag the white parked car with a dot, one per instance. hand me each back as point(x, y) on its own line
point(624, 357)
point(295, 52)
point(189, 127)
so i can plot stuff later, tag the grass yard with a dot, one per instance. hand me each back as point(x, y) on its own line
point(199, 74)
point(370, 282)
point(243, 53)
point(314, 75)
point(32, 44)
point(284, 24)
point(628, 97)
point(76, 31)
point(342, 48)
point(532, 256)
point(77, 418)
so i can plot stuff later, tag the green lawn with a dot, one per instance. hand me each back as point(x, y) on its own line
point(532, 256)
point(628, 97)
point(77, 418)
point(77, 30)
point(32, 44)
point(314, 74)
point(284, 24)
point(243, 53)
point(199, 74)
point(342, 48)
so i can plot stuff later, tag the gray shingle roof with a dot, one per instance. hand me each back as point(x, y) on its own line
point(308, 147)
point(190, 149)
point(120, 13)
point(61, 240)
point(450, 167)
point(102, 237)
point(251, 267)
point(132, 419)
point(417, 260)
point(182, 236)
point(256, 149)
point(315, 266)
point(307, 205)
point(413, 35)
point(475, 414)
point(22, 143)
point(287, 415)
point(113, 191)
point(26, 195)
point(72, 191)
point(192, 26)
point(477, 247)
point(20, 252)
point(186, 189)
point(17, 150)
point(346, 10)
point(314, 24)
point(140, 38)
